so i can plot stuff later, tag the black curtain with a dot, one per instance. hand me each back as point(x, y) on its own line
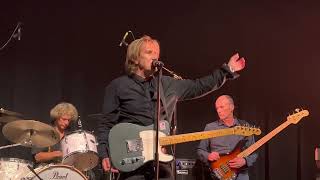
point(69, 52)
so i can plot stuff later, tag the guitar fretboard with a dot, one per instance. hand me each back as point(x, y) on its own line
point(176, 139)
point(263, 140)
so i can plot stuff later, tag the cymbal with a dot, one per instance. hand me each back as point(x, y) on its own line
point(96, 116)
point(31, 133)
point(6, 119)
point(9, 113)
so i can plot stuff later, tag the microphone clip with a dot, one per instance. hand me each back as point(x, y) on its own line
point(123, 41)
point(157, 64)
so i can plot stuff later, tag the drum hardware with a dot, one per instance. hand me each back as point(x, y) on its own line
point(9, 146)
point(9, 113)
point(96, 116)
point(9, 116)
point(79, 123)
point(31, 133)
point(6, 119)
point(90, 175)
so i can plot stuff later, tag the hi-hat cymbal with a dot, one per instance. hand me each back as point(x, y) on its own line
point(9, 113)
point(96, 116)
point(6, 119)
point(31, 133)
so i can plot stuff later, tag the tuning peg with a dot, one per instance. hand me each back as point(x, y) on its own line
point(297, 110)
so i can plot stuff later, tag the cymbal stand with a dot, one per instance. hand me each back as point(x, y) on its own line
point(27, 141)
point(9, 146)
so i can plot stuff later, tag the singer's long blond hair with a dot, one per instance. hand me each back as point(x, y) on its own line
point(133, 53)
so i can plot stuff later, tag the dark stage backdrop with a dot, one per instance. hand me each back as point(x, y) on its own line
point(69, 52)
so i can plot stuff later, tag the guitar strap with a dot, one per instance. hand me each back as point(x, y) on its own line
point(170, 109)
point(164, 103)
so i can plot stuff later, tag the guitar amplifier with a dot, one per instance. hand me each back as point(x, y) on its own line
point(184, 169)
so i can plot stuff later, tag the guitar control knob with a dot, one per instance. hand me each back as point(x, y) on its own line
point(133, 160)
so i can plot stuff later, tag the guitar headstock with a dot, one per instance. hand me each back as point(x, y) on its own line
point(296, 117)
point(246, 130)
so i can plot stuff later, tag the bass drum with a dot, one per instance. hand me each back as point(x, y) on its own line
point(13, 168)
point(55, 172)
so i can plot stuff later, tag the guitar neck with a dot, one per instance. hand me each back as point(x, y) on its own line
point(181, 138)
point(263, 140)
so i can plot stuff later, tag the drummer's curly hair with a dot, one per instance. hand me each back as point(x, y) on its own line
point(64, 108)
point(133, 53)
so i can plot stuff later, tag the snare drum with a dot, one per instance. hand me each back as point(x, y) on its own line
point(55, 172)
point(79, 149)
point(12, 168)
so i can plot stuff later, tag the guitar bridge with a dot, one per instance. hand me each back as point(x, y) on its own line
point(132, 160)
point(223, 173)
point(134, 145)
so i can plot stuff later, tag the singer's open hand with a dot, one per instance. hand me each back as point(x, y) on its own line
point(236, 63)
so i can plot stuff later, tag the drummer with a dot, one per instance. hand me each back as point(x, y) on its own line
point(62, 115)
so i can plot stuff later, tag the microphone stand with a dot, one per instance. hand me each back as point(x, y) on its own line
point(175, 76)
point(156, 155)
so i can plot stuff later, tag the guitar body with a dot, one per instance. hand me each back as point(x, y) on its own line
point(221, 169)
point(131, 146)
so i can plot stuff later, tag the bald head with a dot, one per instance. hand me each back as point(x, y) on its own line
point(225, 98)
point(225, 106)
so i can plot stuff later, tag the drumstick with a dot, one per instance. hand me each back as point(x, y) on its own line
point(32, 170)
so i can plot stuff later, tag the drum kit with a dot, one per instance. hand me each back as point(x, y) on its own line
point(79, 150)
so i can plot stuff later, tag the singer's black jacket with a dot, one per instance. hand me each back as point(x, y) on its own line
point(133, 99)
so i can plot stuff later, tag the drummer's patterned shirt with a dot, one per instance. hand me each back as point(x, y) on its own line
point(56, 147)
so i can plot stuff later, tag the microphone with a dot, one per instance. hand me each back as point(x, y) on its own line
point(123, 41)
point(156, 63)
point(19, 34)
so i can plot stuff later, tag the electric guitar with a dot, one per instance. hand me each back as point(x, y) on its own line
point(131, 145)
point(221, 169)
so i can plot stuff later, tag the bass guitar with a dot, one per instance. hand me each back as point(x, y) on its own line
point(221, 169)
